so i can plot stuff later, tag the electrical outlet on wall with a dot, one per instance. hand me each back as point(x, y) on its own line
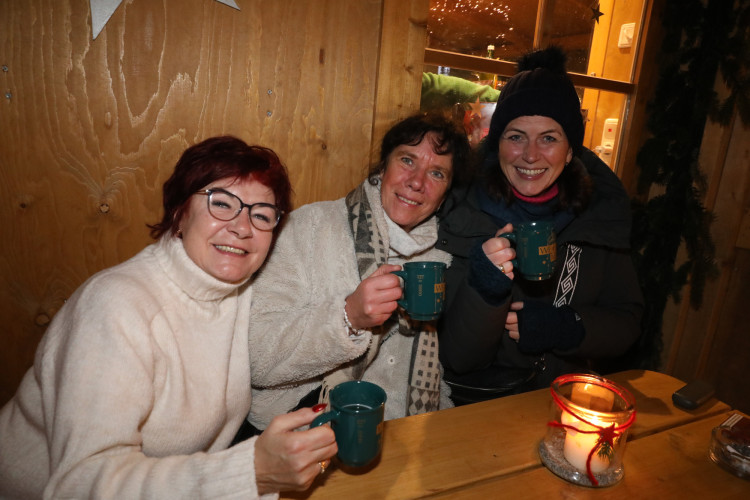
point(626, 36)
point(609, 132)
point(609, 137)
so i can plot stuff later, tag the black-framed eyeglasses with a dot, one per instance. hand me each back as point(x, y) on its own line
point(226, 206)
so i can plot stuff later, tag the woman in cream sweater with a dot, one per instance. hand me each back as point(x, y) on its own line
point(141, 381)
point(331, 272)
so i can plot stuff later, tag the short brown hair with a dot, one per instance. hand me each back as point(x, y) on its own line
point(410, 131)
point(219, 158)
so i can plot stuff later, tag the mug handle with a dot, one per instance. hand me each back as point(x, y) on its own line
point(324, 418)
point(512, 238)
point(509, 236)
point(401, 302)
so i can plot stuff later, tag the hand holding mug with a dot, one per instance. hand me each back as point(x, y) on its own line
point(500, 251)
point(424, 289)
point(286, 459)
point(536, 249)
point(374, 299)
point(356, 417)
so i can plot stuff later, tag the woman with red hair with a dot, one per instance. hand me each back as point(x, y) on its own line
point(142, 379)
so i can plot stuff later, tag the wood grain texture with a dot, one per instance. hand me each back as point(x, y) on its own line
point(92, 128)
point(669, 465)
point(743, 236)
point(710, 342)
point(450, 449)
point(726, 355)
point(404, 37)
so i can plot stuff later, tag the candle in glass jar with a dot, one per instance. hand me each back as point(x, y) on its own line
point(586, 436)
point(578, 445)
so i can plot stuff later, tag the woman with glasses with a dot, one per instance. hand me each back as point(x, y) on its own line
point(330, 272)
point(141, 381)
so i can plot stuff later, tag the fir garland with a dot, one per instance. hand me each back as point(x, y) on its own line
point(701, 39)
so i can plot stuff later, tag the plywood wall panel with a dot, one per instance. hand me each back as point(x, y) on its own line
point(695, 335)
point(743, 236)
point(727, 360)
point(403, 42)
point(92, 128)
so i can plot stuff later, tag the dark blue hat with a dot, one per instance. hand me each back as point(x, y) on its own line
point(541, 87)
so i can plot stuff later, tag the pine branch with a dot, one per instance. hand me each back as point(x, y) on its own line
point(700, 42)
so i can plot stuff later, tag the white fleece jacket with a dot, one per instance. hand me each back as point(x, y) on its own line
point(138, 387)
point(300, 292)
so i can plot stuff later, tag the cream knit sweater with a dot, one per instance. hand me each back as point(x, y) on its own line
point(138, 387)
point(301, 292)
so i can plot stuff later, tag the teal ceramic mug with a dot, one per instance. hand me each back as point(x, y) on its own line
point(356, 417)
point(424, 289)
point(536, 249)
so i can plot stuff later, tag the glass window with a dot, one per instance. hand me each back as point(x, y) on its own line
point(468, 27)
point(472, 44)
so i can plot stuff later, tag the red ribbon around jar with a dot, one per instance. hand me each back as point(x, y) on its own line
point(596, 415)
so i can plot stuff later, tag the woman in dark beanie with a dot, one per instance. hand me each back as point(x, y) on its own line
point(503, 334)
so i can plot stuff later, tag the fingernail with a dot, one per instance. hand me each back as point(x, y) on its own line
point(319, 407)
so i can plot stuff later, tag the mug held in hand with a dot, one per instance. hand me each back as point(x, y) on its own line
point(536, 249)
point(424, 289)
point(356, 416)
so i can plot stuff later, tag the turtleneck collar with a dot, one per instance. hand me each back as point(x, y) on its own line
point(520, 210)
point(542, 197)
point(186, 275)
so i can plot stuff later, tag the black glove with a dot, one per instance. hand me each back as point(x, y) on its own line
point(544, 327)
point(485, 277)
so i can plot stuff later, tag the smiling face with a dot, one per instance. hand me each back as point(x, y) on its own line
point(533, 152)
point(415, 182)
point(230, 251)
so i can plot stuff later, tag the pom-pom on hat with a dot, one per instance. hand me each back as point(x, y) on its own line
point(541, 87)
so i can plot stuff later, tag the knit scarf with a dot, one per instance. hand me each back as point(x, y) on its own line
point(371, 251)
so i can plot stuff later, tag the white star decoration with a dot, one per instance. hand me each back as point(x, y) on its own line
point(102, 10)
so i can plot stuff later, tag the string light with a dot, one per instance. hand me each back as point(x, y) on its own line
point(486, 12)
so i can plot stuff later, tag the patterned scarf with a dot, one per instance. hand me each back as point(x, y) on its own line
point(372, 252)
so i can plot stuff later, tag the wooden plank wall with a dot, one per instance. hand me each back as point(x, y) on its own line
point(89, 130)
point(713, 342)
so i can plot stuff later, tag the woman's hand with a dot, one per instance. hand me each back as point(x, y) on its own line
point(499, 251)
point(374, 299)
point(545, 327)
point(286, 459)
point(511, 321)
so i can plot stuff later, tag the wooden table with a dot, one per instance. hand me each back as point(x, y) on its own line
point(489, 449)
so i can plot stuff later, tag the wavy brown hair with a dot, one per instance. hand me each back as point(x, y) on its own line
point(410, 131)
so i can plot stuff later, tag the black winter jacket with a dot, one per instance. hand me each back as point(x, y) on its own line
point(594, 276)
